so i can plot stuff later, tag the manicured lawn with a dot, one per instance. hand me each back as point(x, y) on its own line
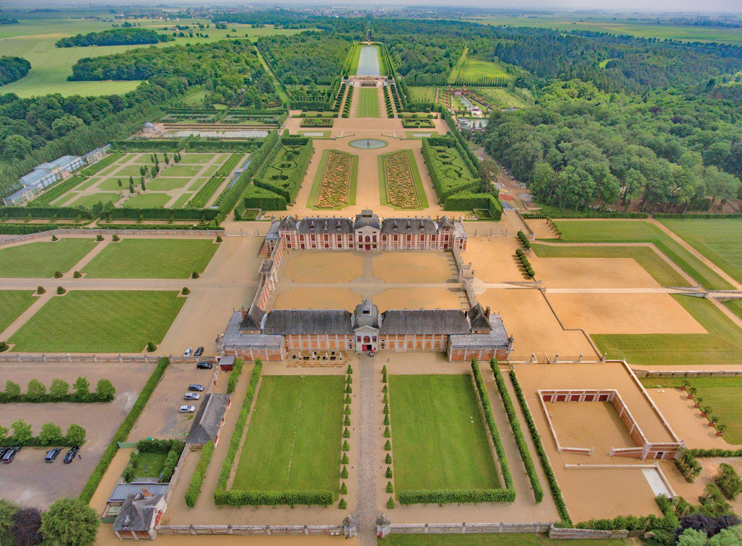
point(151, 259)
point(181, 170)
point(112, 184)
point(735, 306)
point(92, 321)
point(722, 345)
point(294, 437)
point(182, 200)
point(196, 159)
point(721, 393)
point(12, 304)
point(42, 259)
point(515, 539)
point(150, 465)
point(147, 201)
point(718, 240)
point(368, 103)
point(166, 183)
point(438, 436)
point(631, 231)
point(660, 270)
point(89, 201)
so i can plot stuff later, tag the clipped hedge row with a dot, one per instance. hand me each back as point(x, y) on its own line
point(153, 445)
point(688, 466)
point(448, 118)
point(466, 200)
point(524, 261)
point(290, 187)
point(197, 480)
point(553, 212)
point(160, 214)
point(520, 439)
point(693, 216)
point(26, 229)
point(348, 102)
point(669, 522)
point(450, 496)
point(444, 185)
point(44, 212)
point(205, 192)
point(556, 492)
point(234, 376)
point(524, 239)
point(716, 452)
point(273, 498)
point(123, 431)
point(259, 198)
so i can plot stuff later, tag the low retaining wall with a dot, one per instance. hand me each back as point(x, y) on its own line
point(471, 528)
point(332, 530)
point(579, 534)
point(97, 358)
point(688, 373)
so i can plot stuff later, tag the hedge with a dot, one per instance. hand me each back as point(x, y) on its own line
point(688, 466)
point(520, 440)
point(716, 452)
point(194, 488)
point(160, 214)
point(234, 376)
point(450, 496)
point(553, 212)
point(273, 498)
point(556, 492)
point(153, 445)
point(204, 193)
point(524, 239)
point(443, 185)
point(260, 198)
point(163, 227)
point(466, 200)
point(669, 522)
point(35, 441)
point(26, 229)
point(446, 115)
point(290, 187)
point(123, 431)
point(693, 216)
point(44, 212)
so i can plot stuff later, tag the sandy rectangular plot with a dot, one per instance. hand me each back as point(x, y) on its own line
point(412, 267)
point(592, 273)
point(541, 229)
point(493, 259)
point(624, 314)
point(589, 425)
point(531, 322)
point(416, 298)
point(324, 267)
point(318, 298)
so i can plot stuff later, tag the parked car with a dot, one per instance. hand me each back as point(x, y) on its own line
point(10, 454)
point(2, 451)
point(204, 365)
point(71, 454)
point(188, 351)
point(187, 409)
point(196, 388)
point(192, 396)
point(199, 351)
point(52, 454)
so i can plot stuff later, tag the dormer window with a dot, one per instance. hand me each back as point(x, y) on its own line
point(366, 311)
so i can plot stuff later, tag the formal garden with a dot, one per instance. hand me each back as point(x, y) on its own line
point(335, 183)
point(401, 186)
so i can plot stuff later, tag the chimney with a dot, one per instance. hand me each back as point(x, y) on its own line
point(244, 312)
point(487, 312)
point(145, 493)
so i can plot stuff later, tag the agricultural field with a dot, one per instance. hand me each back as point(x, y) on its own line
point(151, 259)
point(335, 184)
point(439, 440)
point(401, 186)
point(92, 321)
point(43, 259)
point(368, 103)
point(718, 240)
point(13, 303)
point(294, 436)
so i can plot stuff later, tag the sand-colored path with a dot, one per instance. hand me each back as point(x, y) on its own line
point(312, 298)
point(493, 258)
point(400, 267)
point(417, 298)
point(324, 267)
point(592, 273)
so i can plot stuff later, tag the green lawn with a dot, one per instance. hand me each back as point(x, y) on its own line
point(660, 270)
point(721, 393)
point(196, 159)
point(423, 94)
point(151, 259)
point(722, 345)
point(89, 201)
point(735, 306)
point(182, 200)
point(368, 103)
point(294, 437)
point(507, 539)
point(92, 321)
point(147, 201)
point(13, 303)
point(718, 240)
point(438, 437)
point(501, 98)
point(166, 183)
point(112, 184)
point(631, 231)
point(182, 170)
point(150, 465)
point(476, 68)
point(42, 259)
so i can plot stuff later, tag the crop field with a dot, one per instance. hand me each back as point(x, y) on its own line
point(631, 231)
point(438, 437)
point(92, 321)
point(399, 177)
point(335, 184)
point(13, 303)
point(151, 259)
point(294, 436)
point(718, 240)
point(368, 103)
point(43, 259)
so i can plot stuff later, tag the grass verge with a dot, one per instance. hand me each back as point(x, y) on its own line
point(42, 259)
point(368, 103)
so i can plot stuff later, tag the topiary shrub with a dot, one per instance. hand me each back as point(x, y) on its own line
point(390, 503)
point(386, 398)
point(386, 409)
point(347, 399)
point(151, 347)
point(343, 505)
point(60, 290)
point(388, 458)
point(55, 238)
point(185, 291)
point(387, 433)
point(346, 433)
point(349, 380)
point(3, 346)
point(115, 238)
point(386, 419)
point(385, 389)
point(383, 370)
point(346, 421)
point(388, 446)
point(383, 378)
point(345, 459)
point(58, 274)
point(388, 472)
point(389, 488)
point(40, 290)
point(348, 389)
point(219, 239)
point(346, 445)
point(343, 489)
point(344, 473)
point(347, 410)
point(99, 238)
point(77, 274)
point(194, 275)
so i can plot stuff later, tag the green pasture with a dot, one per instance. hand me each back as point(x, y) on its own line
point(721, 345)
point(294, 437)
point(505, 539)
point(653, 263)
point(13, 303)
point(151, 259)
point(368, 103)
point(92, 321)
point(42, 258)
point(633, 231)
point(438, 437)
point(147, 201)
point(719, 240)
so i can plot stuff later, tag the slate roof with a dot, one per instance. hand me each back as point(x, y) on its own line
point(445, 223)
point(424, 321)
point(498, 337)
point(367, 218)
point(478, 320)
point(233, 338)
point(137, 514)
point(308, 321)
point(408, 225)
point(208, 419)
point(253, 319)
point(288, 223)
point(366, 314)
point(326, 225)
point(122, 491)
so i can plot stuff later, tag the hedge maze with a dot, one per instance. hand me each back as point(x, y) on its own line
point(337, 180)
point(317, 122)
point(418, 123)
point(284, 168)
point(402, 186)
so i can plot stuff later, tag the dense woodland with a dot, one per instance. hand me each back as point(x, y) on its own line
point(12, 69)
point(116, 36)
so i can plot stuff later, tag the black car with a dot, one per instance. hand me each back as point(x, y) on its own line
point(195, 388)
point(52, 455)
point(71, 454)
point(204, 365)
point(199, 351)
point(3, 450)
point(10, 454)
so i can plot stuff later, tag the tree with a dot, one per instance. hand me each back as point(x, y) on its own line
point(70, 522)
point(17, 146)
point(7, 511)
point(488, 171)
point(120, 183)
point(82, 387)
point(59, 389)
point(12, 390)
point(65, 124)
point(105, 389)
point(141, 182)
point(692, 537)
point(25, 528)
point(75, 435)
point(50, 434)
point(21, 431)
point(35, 390)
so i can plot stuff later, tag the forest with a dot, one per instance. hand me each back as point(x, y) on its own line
point(116, 36)
point(12, 69)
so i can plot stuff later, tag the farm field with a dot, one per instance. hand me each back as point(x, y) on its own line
point(632, 231)
point(92, 321)
point(718, 240)
point(336, 180)
point(13, 303)
point(42, 259)
point(439, 440)
point(400, 183)
point(294, 436)
point(368, 103)
point(151, 259)
point(721, 393)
